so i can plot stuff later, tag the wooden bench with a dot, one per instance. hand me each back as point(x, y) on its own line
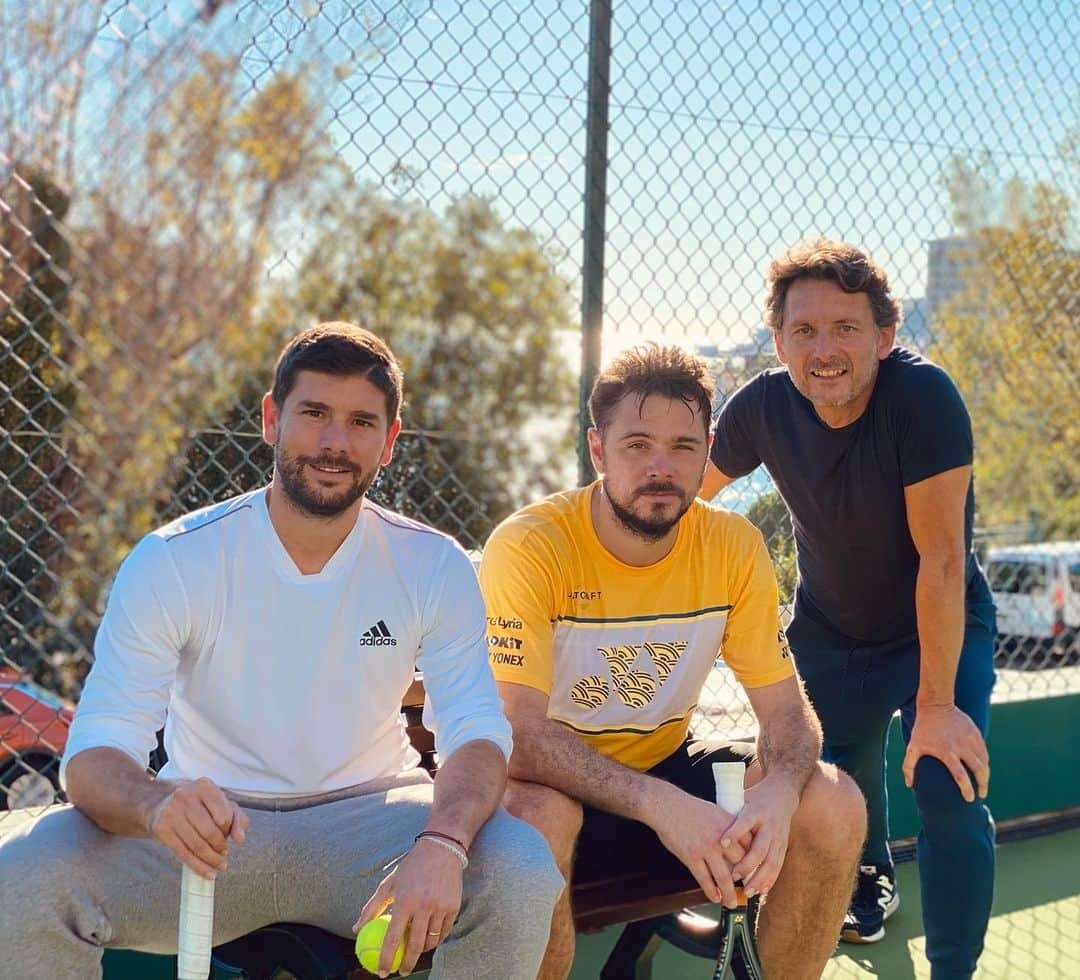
point(652, 905)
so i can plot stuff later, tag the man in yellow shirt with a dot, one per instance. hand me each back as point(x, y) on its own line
point(607, 609)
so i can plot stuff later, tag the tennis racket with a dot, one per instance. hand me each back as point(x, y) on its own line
point(196, 926)
point(738, 924)
point(729, 778)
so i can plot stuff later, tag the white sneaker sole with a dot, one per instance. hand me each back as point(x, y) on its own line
point(851, 936)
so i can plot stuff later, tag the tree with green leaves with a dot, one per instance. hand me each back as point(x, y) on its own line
point(769, 514)
point(473, 308)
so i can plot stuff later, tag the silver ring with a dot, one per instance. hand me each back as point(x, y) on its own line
point(434, 934)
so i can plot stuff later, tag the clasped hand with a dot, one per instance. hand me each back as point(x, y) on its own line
point(720, 849)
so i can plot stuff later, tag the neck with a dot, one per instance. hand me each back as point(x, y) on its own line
point(310, 541)
point(627, 546)
point(838, 416)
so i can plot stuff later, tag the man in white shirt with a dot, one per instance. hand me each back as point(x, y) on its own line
point(274, 635)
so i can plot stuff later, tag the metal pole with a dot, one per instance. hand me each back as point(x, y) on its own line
point(592, 266)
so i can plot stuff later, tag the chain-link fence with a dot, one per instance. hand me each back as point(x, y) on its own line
point(182, 184)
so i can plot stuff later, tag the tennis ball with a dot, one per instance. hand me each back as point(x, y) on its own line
point(369, 942)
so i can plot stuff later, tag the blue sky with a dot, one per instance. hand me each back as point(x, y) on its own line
point(736, 128)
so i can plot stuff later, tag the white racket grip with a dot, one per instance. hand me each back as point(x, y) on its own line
point(729, 777)
point(196, 926)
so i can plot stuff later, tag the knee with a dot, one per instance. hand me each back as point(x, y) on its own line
point(41, 885)
point(831, 815)
point(29, 870)
point(557, 816)
point(938, 797)
point(17, 876)
point(516, 860)
point(546, 881)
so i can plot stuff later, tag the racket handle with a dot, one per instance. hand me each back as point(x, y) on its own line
point(729, 777)
point(196, 926)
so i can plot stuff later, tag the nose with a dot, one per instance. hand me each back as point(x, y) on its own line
point(660, 464)
point(825, 345)
point(332, 438)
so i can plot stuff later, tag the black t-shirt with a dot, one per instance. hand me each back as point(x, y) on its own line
point(845, 487)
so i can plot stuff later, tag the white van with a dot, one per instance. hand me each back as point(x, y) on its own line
point(1037, 593)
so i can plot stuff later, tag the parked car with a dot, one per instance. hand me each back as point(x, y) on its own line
point(1036, 590)
point(33, 732)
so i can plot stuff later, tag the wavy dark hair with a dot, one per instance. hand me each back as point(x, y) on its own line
point(652, 369)
point(341, 349)
point(824, 258)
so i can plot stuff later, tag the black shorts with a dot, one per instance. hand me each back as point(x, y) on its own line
point(606, 840)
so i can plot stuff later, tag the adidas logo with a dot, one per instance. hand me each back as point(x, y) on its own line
point(377, 636)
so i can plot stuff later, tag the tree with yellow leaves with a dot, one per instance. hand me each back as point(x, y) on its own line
point(1011, 341)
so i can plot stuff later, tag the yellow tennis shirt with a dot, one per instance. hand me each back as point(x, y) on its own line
point(623, 652)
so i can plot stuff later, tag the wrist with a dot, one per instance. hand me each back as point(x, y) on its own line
point(449, 830)
point(784, 785)
point(445, 842)
point(930, 700)
point(656, 800)
point(149, 803)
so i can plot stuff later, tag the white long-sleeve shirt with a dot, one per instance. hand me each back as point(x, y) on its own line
point(275, 682)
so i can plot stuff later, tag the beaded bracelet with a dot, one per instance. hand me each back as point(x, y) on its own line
point(451, 844)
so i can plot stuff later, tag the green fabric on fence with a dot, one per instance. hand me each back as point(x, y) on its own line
point(1034, 758)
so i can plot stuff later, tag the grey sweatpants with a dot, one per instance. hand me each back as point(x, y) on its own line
point(68, 888)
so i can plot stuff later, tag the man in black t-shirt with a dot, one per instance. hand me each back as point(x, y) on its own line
point(870, 447)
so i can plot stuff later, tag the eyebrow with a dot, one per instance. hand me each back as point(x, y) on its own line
point(322, 406)
point(694, 440)
point(798, 321)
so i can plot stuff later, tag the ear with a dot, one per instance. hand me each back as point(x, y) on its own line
point(778, 345)
point(886, 338)
point(269, 420)
point(388, 446)
point(596, 449)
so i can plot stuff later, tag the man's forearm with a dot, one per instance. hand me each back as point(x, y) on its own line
point(789, 745)
point(549, 753)
point(468, 788)
point(114, 791)
point(939, 611)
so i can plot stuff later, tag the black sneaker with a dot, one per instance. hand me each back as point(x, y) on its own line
point(875, 899)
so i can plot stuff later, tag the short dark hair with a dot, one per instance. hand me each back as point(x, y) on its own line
point(652, 369)
point(824, 258)
point(343, 349)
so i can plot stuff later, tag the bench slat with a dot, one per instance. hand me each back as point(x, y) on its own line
point(635, 895)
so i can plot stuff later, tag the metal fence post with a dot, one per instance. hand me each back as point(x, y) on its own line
point(592, 266)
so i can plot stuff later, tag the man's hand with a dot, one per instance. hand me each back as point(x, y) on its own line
point(766, 819)
point(691, 829)
point(946, 733)
point(425, 890)
point(195, 821)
